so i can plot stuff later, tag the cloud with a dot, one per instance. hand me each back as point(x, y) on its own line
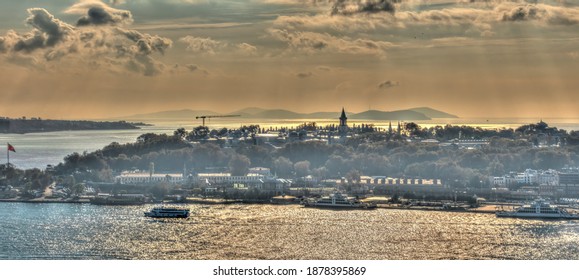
point(311, 42)
point(63, 46)
point(212, 47)
point(145, 43)
point(48, 31)
point(98, 13)
point(303, 75)
point(247, 49)
point(388, 84)
point(546, 14)
point(192, 67)
point(202, 45)
point(482, 17)
point(188, 69)
point(349, 7)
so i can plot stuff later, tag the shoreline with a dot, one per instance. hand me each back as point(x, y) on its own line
point(486, 209)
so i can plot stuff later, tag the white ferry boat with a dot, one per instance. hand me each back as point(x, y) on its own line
point(166, 212)
point(338, 201)
point(538, 209)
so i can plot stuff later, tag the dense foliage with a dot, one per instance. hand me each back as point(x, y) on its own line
point(372, 154)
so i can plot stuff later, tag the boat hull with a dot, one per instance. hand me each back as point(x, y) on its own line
point(342, 207)
point(167, 213)
point(147, 214)
point(536, 216)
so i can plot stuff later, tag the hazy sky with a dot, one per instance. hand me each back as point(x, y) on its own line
point(473, 58)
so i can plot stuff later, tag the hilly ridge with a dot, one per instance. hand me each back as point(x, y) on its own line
point(421, 113)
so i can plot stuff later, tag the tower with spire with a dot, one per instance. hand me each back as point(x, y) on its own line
point(343, 124)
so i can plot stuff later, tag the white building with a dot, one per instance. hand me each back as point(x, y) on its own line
point(226, 178)
point(503, 181)
point(129, 177)
point(548, 177)
point(260, 170)
point(529, 177)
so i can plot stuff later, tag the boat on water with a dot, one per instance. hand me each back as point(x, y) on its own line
point(539, 209)
point(284, 199)
point(167, 212)
point(338, 201)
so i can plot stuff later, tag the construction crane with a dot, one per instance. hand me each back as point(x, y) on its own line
point(218, 116)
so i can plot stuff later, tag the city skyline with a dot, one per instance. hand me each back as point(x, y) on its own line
point(98, 59)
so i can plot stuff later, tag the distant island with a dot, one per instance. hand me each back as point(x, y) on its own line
point(24, 125)
point(414, 114)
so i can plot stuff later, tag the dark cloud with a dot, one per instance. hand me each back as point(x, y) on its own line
point(192, 67)
point(47, 32)
point(388, 84)
point(97, 13)
point(527, 12)
point(113, 48)
point(146, 44)
point(102, 16)
point(348, 7)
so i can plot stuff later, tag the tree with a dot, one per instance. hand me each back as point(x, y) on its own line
point(302, 168)
point(353, 176)
point(180, 132)
point(239, 165)
point(78, 189)
point(283, 166)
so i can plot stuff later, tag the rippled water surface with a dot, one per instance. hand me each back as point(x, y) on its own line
point(83, 231)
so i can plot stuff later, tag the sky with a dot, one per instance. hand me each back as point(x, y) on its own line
point(473, 58)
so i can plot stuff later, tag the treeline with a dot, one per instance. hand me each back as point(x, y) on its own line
point(38, 125)
point(532, 132)
point(370, 154)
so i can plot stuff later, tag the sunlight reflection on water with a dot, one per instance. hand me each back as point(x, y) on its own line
point(69, 231)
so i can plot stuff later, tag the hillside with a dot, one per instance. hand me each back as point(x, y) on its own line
point(434, 114)
point(421, 113)
point(395, 115)
point(177, 114)
point(38, 125)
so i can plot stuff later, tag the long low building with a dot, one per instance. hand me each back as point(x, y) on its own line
point(147, 178)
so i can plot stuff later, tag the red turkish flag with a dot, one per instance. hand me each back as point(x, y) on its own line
point(11, 148)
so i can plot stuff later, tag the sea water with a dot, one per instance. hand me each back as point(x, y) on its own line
point(234, 232)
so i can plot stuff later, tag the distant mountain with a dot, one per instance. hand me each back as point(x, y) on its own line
point(422, 113)
point(394, 115)
point(324, 115)
point(178, 114)
point(435, 114)
point(276, 114)
point(248, 111)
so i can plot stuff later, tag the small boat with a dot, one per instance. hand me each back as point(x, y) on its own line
point(538, 209)
point(283, 199)
point(338, 201)
point(167, 212)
